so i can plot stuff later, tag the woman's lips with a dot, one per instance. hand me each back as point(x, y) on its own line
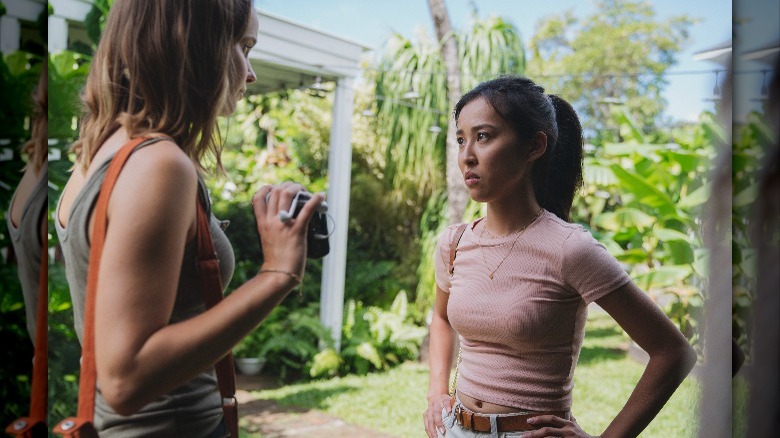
point(471, 178)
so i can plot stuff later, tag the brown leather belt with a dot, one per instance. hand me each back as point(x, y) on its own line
point(505, 422)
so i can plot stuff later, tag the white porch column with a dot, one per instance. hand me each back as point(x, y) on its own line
point(10, 30)
point(339, 176)
point(58, 33)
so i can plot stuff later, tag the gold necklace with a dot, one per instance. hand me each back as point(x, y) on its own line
point(519, 233)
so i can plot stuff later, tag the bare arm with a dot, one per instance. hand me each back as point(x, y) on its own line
point(671, 357)
point(151, 215)
point(442, 339)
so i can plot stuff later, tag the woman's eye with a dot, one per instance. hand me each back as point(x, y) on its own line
point(481, 136)
point(460, 140)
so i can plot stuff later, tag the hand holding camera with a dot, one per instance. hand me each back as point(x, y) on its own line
point(317, 233)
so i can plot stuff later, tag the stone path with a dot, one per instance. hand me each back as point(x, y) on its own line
point(266, 419)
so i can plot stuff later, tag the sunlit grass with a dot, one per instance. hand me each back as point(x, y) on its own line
point(393, 402)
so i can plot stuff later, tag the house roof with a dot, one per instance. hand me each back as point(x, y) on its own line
point(287, 54)
point(719, 54)
point(764, 54)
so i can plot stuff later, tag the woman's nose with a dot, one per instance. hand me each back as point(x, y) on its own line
point(250, 74)
point(467, 154)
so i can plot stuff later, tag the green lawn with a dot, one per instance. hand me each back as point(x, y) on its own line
point(393, 402)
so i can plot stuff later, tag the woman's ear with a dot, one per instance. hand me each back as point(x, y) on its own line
point(537, 146)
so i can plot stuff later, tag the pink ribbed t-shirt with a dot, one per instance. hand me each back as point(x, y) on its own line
point(522, 331)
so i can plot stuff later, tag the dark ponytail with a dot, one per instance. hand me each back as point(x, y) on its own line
point(557, 175)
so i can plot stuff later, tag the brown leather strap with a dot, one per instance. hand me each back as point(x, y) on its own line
point(504, 422)
point(39, 391)
point(208, 267)
point(454, 246)
point(88, 376)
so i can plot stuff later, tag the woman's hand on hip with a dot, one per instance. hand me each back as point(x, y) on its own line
point(553, 426)
point(438, 407)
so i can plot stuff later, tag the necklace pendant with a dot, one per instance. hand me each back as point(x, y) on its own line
point(490, 275)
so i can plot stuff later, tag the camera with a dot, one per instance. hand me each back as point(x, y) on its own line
point(317, 245)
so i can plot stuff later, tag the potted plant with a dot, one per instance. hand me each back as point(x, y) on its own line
point(248, 355)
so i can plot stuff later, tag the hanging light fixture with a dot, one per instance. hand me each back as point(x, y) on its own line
point(367, 112)
point(436, 129)
point(716, 90)
point(317, 85)
point(317, 89)
point(764, 88)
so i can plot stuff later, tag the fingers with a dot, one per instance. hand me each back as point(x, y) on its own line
point(259, 204)
point(433, 426)
point(438, 408)
point(269, 201)
point(551, 425)
point(281, 198)
point(549, 420)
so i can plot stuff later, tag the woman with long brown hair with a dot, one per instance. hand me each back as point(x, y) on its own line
point(165, 70)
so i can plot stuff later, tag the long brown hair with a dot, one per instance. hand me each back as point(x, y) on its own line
point(162, 66)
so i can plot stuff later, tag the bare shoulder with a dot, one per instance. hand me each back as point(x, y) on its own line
point(160, 166)
point(164, 158)
point(157, 178)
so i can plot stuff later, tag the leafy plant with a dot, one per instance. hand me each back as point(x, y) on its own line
point(375, 339)
point(748, 142)
point(643, 201)
point(288, 339)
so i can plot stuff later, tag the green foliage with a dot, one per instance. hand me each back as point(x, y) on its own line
point(326, 364)
point(376, 339)
point(64, 359)
point(95, 20)
point(67, 75)
point(491, 47)
point(580, 60)
point(19, 73)
point(414, 156)
point(433, 223)
point(749, 141)
point(288, 339)
point(643, 201)
point(18, 352)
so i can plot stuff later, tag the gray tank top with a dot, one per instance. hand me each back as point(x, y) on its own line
point(191, 410)
point(26, 240)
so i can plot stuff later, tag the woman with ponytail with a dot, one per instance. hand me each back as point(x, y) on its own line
point(515, 284)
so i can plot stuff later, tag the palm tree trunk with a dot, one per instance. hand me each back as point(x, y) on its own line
point(457, 196)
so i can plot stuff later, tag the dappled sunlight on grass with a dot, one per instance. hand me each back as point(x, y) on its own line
point(605, 377)
point(392, 402)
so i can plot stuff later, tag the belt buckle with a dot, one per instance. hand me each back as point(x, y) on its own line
point(457, 411)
